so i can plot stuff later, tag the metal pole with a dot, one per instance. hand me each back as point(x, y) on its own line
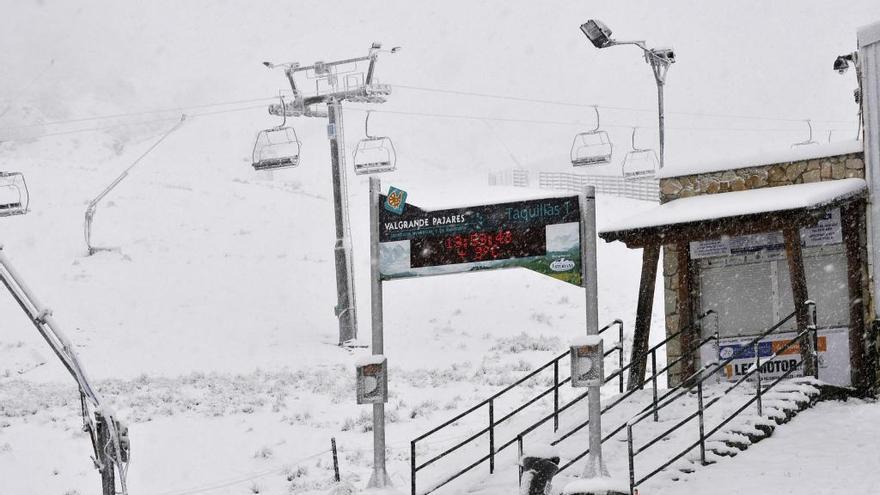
point(335, 459)
point(491, 436)
point(654, 382)
point(555, 395)
point(108, 481)
point(379, 478)
point(345, 307)
point(412, 467)
point(620, 356)
point(812, 339)
point(595, 466)
point(660, 85)
point(631, 456)
point(702, 437)
point(758, 373)
point(519, 452)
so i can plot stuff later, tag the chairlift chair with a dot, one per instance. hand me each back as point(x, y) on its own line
point(639, 163)
point(809, 139)
point(278, 147)
point(374, 154)
point(591, 148)
point(14, 197)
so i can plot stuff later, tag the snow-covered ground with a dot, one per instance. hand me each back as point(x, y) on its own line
point(828, 449)
point(211, 327)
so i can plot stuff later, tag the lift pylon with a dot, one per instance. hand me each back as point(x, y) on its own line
point(109, 436)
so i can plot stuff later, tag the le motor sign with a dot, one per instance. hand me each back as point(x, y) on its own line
point(542, 235)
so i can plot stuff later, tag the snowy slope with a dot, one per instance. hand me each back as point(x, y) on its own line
point(221, 272)
point(211, 328)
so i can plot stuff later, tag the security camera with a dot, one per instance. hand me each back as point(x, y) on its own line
point(667, 54)
point(842, 62)
point(841, 65)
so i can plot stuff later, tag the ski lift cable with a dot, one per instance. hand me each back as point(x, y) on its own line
point(435, 90)
point(564, 123)
point(135, 114)
point(609, 107)
point(129, 124)
point(14, 99)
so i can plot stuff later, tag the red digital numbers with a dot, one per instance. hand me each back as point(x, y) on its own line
point(478, 246)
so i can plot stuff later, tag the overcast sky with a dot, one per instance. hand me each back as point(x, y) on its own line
point(748, 58)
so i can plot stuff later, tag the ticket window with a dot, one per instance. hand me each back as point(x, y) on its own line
point(751, 293)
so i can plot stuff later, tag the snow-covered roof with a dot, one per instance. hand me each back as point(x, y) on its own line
point(868, 35)
point(795, 154)
point(733, 204)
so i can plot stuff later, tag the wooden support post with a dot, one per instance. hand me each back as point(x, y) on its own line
point(644, 308)
point(795, 259)
point(850, 223)
point(685, 309)
point(108, 481)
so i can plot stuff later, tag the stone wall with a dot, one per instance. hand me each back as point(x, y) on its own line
point(779, 174)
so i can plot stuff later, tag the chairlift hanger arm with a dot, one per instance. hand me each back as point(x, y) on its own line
point(658, 63)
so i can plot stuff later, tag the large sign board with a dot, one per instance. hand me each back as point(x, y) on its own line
point(542, 235)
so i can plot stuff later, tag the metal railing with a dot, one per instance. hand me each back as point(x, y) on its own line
point(515, 177)
point(701, 376)
point(643, 189)
point(656, 398)
point(488, 406)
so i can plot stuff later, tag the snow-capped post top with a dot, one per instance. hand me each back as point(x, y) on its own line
point(540, 450)
point(596, 486)
point(587, 361)
point(368, 359)
point(372, 379)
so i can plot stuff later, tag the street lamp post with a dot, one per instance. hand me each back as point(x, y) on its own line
point(658, 58)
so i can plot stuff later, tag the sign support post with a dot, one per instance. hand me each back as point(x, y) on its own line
point(379, 478)
point(595, 465)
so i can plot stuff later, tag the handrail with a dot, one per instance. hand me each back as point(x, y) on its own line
point(652, 378)
point(703, 438)
point(633, 391)
point(719, 366)
point(809, 332)
point(415, 466)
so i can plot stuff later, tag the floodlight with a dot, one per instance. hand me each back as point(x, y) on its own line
point(598, 33)
point(658, 58)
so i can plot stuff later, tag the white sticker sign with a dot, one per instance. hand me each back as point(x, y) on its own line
point(826, 232)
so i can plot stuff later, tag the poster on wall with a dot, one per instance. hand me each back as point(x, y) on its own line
point(541, 235)
point(833, 347)
point(825, 232)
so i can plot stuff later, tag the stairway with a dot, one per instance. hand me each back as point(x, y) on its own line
point(780, 406)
